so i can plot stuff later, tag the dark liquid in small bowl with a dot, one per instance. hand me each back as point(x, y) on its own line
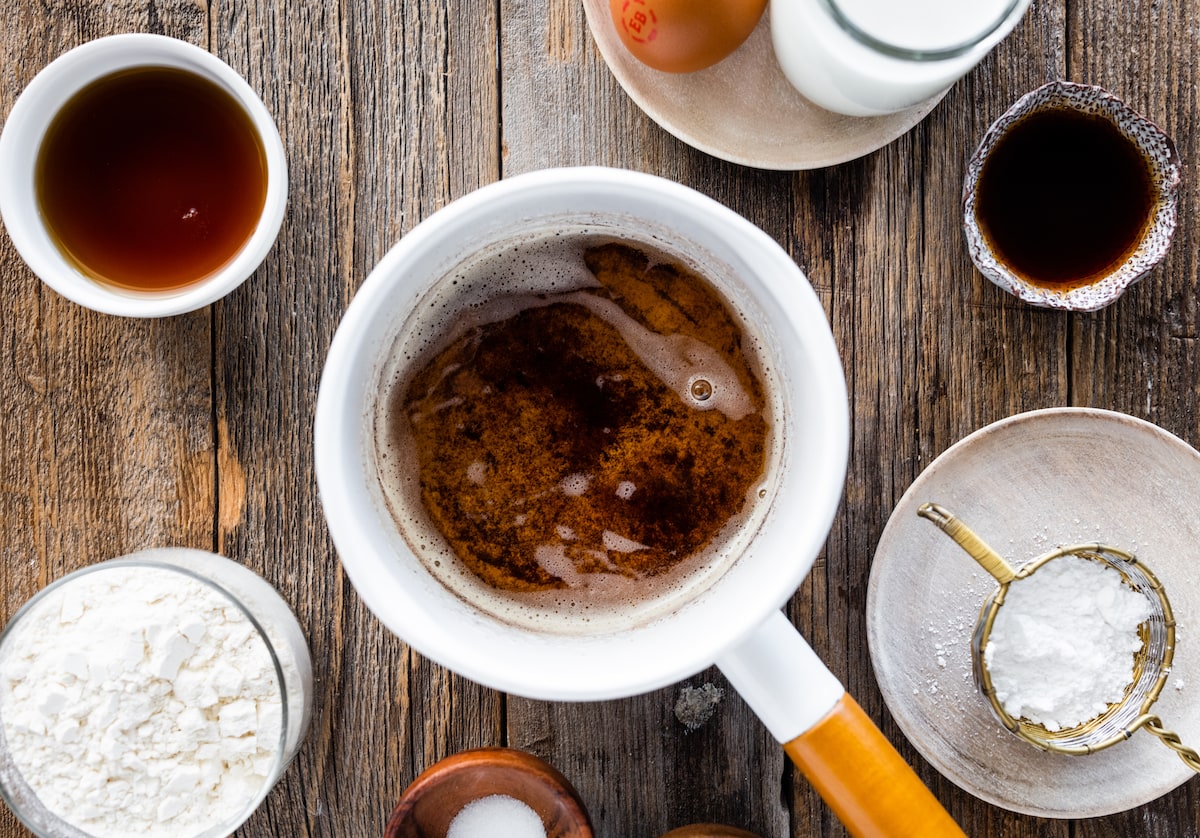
point(1064, 198)
point(151, 179)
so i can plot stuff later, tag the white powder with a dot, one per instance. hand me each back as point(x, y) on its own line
point(496, 816)
point(139, 701)
point(1062, 646)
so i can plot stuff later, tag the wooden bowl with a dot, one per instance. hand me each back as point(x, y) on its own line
point(434, 798)
point(709, 830)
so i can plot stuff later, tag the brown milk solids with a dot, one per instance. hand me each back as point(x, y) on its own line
point(594, 442)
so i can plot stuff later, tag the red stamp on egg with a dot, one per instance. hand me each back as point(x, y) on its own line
point(639, 21)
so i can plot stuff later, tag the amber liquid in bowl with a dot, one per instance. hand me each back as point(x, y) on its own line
point(1065, 198)
point(151, 179)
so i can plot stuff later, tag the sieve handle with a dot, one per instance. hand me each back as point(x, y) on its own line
point(862, 778)
point(988, 559)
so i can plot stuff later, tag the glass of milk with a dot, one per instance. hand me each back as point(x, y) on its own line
point(872, 57)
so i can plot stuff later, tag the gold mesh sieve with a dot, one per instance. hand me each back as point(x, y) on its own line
point(1151, 663)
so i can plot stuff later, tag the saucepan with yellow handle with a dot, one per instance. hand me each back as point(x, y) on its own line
point(734, 618)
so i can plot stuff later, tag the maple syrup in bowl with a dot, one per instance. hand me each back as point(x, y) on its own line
point(141, 176)
point(151, 178)
point(1070, 198)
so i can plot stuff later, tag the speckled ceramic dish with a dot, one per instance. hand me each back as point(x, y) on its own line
point(743, 109)
point(1028, 484)
point(1157, 149)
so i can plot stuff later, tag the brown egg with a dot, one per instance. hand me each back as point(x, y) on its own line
point(680, 36)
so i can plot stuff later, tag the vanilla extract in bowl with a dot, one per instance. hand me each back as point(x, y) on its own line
point(1064, 197)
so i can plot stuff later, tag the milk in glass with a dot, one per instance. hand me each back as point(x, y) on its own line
point(871, 57)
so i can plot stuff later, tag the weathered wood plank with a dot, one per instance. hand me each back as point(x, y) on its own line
point(384, 109)
point(932, 352)
point(107, 421)
point(1139, 356)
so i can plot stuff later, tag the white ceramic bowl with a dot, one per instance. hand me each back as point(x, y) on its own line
point(26, 126)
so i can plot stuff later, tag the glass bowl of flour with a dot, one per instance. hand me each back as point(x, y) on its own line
point(159, 694)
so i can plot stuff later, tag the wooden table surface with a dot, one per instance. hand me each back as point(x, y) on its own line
point(197, 430)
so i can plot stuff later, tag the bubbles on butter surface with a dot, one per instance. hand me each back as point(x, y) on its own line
point(528, 277)
point(700, 388)
point(688, 366)
point(477, 473)
point(574, 485)
point(619, 543)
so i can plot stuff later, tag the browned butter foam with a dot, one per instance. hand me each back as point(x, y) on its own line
point(576, 431)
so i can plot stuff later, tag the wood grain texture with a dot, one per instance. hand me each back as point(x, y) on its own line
point(383, 109)
point(931, 350)
point(1140, 355)
point(196, 430)
point(107, 422)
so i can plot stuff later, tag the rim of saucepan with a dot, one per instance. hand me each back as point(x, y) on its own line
point(22, 137)
point(1165, 166)
point(423, 613)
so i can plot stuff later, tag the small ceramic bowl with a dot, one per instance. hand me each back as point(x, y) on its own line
point(1155, 147)
point(429, 805)
point(20, 145)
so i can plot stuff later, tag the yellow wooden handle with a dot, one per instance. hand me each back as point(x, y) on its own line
point(869, 786)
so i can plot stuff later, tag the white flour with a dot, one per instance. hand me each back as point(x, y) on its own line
point(1062, 646)
point(140, 701)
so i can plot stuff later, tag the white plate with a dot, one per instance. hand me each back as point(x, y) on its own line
point(1028, 484)
point(743, 109)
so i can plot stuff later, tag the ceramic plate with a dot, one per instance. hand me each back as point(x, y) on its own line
point(743, 109)
point(1026, 485)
